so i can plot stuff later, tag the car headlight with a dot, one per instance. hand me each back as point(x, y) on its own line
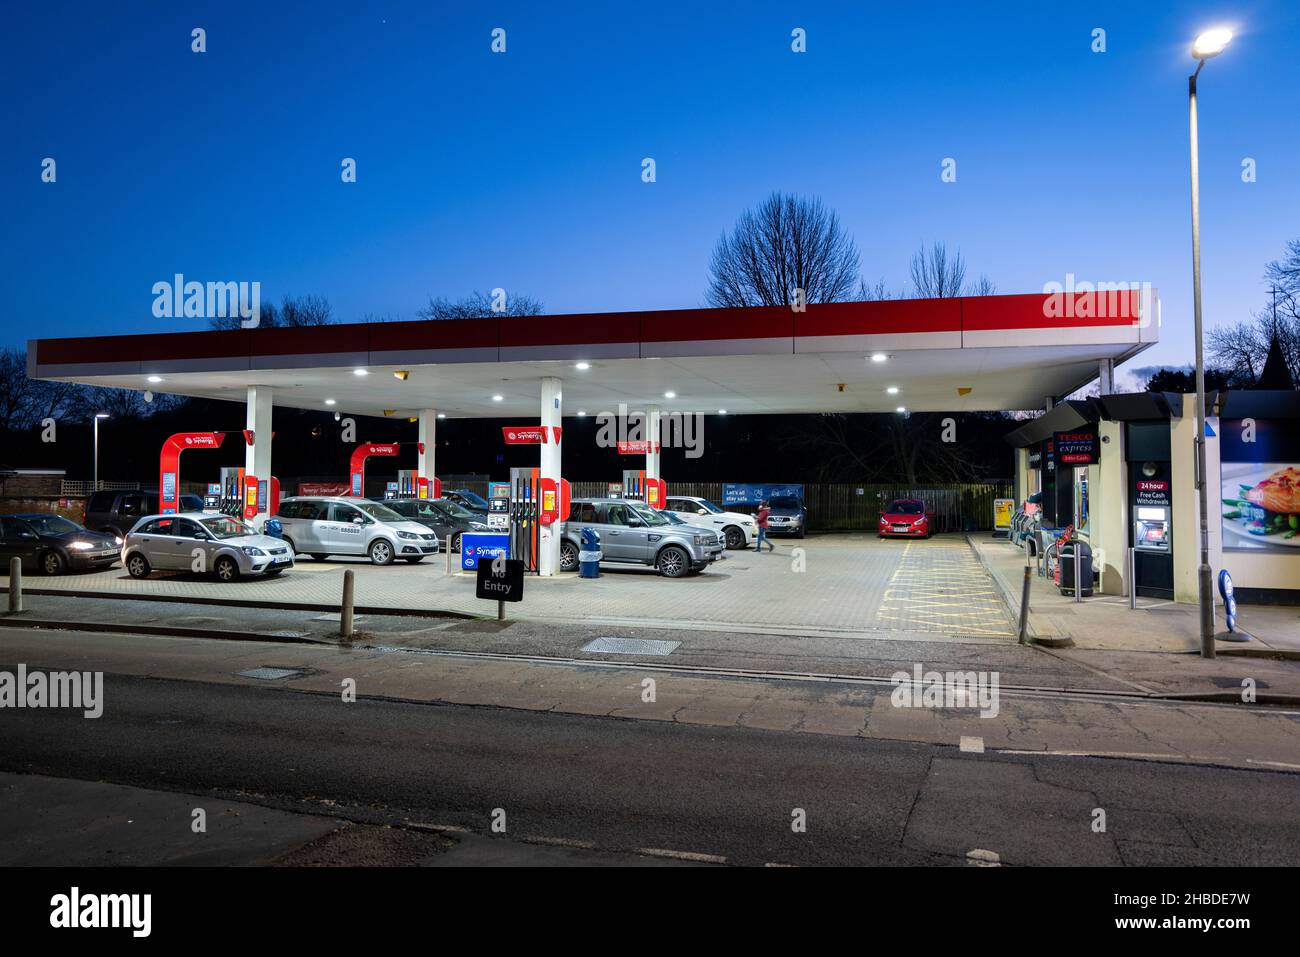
point(254, 552)
point(697, 539)
point(920, 521)
point(408, 535)
point(117, 539)
point(81, 546)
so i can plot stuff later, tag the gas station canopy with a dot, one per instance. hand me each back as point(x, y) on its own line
point(983, 353)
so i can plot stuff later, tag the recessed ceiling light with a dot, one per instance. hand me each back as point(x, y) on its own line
point(892, 390)
point(361, 372)
point(901, 409)
point(670, 395)
point(498, 398)
point(442, 415)
point(155, 378)
point(878, 357)
point(329, 401)
point(583, 366)
point(722, 412)
point(582, 414)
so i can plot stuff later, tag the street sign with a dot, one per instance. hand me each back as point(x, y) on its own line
point(501, 579)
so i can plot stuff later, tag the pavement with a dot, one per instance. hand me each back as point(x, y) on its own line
point(1106, 623)
point(691, 785)
point(732, 651)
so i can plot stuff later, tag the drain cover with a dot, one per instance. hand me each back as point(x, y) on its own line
point(271, 674)
point(631, 646)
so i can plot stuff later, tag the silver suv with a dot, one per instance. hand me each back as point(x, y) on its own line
point(321, 527)
point(633, 533)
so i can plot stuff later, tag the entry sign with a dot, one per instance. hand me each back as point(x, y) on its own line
point(1079, 447)
point(501, 579)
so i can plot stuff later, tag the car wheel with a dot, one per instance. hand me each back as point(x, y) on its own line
point(735, 537)
point(673, 562)
point(52, 563)
point(568, 556)
point(318, 557)
point(292, 547)
point(226, 569)
point(381, 553)
point(137, 566)
point(455, 542)
point(799, 534)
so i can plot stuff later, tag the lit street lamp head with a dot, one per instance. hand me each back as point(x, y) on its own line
point(1210, 43)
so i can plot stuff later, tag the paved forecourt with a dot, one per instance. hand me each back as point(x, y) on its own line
point(837, 584)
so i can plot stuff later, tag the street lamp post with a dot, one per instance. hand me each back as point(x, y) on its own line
point(1208, 44)
point(95, 483)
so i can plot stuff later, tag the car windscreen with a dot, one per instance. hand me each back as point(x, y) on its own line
point(55, 525)
point(904, 508)
point(380, 512)
point(477, 501)
point(705, 503)
point(647, 515)
point(454, 509)
point(785, 503)
point(221, 526)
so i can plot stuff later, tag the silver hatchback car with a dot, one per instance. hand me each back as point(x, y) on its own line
point(324, 526)
point(204, 543)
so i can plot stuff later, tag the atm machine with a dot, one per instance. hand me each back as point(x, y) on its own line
point(1151, 507)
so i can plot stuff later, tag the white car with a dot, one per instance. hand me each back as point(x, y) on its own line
point(737, 530)
point(199, 542)
point(321, 527)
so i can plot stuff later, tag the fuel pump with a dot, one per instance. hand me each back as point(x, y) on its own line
point(525, 496)
point(652, 491)
point(232, 491)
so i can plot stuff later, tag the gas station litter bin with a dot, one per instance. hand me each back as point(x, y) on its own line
point(589, 554)
point(1065, 564)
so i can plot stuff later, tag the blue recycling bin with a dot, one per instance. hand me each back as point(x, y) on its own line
point(589, 554)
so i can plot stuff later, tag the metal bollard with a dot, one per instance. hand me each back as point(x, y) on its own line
point(1132, 579)
point(447, 545)
point(345, 612)
point(1024, 604)
point(1078, 572)
point(15, 585)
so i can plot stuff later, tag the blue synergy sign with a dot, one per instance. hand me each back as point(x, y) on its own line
point(476, 545)
point(751, 493)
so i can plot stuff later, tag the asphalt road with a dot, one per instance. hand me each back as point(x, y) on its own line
point(619, 785)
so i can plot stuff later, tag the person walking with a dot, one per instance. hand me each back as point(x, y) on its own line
point(764, 510)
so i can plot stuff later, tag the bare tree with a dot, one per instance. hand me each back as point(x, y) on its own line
point(983, 286)
point(874, 292)
point(787, 244)
point(1242, 348)
point(302, 311)
point(478, 305)
point(937, 274)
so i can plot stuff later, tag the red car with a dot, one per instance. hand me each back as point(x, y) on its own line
point(906, 518)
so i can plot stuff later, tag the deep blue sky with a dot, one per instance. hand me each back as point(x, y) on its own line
point(522, 170)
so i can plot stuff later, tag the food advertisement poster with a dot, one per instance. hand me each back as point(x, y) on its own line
point(1260, 490)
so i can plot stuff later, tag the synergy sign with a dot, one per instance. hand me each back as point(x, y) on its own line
point(1078, 447)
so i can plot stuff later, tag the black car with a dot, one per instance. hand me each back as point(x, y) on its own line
point(115, 513)
point(54, 544)
point(447, 518)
